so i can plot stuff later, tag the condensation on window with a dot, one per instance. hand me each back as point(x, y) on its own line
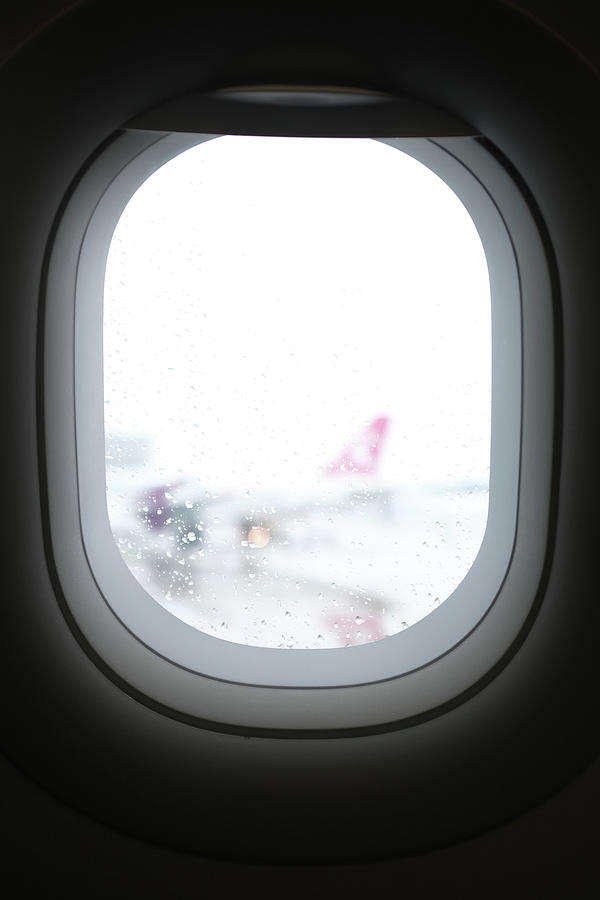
point(297, 377)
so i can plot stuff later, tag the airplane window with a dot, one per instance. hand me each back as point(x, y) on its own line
point(297, 384)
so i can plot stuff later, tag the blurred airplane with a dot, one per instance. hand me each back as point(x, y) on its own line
point(347, 562)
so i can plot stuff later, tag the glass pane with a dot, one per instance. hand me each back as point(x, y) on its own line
point(297, 357)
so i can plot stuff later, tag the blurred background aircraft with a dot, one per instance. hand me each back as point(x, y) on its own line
point(347, 562)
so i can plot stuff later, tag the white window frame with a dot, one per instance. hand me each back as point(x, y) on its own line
point(204, 677)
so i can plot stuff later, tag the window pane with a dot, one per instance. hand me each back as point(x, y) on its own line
point(297, 358)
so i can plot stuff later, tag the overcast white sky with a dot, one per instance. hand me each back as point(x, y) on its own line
point(265, 298)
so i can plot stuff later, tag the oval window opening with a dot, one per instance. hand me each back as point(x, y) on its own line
point(297, 390)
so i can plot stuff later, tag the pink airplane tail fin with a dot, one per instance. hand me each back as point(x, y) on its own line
point(361, 456)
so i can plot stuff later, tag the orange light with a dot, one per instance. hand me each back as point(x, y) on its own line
point(259, 536)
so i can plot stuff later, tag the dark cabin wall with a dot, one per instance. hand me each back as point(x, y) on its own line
point(574, 21)
point(548, 852)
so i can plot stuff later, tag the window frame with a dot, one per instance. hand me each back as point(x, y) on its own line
point(217, 684)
